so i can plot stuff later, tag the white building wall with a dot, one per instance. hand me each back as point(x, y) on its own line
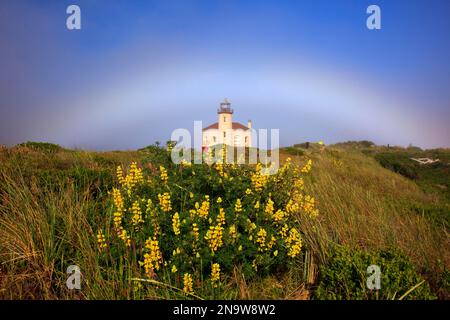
point(236, 137)
point(211, 137)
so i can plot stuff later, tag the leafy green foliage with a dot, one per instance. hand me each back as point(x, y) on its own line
point(293, 151)
point(42, 146)
point(345, 276)
point(356, 144)
point(188, 217)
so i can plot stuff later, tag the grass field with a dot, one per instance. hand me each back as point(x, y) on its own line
point(371, 210)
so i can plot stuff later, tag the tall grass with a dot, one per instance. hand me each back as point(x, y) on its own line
point(39, 228)
point(365, 206)
point(47, 225)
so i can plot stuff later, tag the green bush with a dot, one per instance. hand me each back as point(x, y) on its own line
point(183, 221)
point(398, 163)
point(42, 146)
point(345, 276)
point(293, 151)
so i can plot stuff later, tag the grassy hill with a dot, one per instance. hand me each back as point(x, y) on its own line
point(372, 210)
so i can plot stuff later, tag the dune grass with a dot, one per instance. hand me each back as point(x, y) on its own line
point(51, 205)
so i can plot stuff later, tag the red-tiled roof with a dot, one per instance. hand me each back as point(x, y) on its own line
point(236, 125)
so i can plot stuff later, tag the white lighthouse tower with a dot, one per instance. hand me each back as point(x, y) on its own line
point(225, 131)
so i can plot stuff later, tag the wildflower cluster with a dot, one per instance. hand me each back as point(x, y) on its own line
point(188, 222)
point(259, 179)
point(152, 258)
point(202, 210)
point(133, 178)
point(214, 237)
point(164, 202)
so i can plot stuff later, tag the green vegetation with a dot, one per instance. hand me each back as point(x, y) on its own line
point(433, 177)
point(42, 146)
point(345, 275)
point(53, 203)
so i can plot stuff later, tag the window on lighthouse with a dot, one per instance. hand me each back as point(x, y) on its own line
point(224, 119)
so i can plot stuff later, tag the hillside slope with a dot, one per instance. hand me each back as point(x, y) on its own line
point(52, 202)
point(364, 205)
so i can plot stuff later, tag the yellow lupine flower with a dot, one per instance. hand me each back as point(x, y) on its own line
point(259, 180)
point(279, 215)
point(153, 258)
point(283, 231)
point(221, 217)
point(137, 214)
point(119, 174)
point(269, 207)
point(294, 243)
point(299, 184)
point(232, 232)
point(261, 239)
point(136, 173)
point(118, 214)
point(101, 240)
point(271, 242)
point(309, 206)
point(174, 269)
point(133, 178)
point(238, 206)
point(163, 174)
point(219, 168)
point(307, 167)
point(188, 283)
point(185, 163)
point(195, 231)
point(176, 223)
point(214, 237)
point(292, 206)
point(164, 202)
point(123, 235)
point(215, 274)
point(203, 210)
point(250, 225)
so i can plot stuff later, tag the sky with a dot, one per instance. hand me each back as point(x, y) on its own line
point(137, 70)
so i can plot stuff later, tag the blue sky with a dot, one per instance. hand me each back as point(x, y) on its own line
point(137, 70)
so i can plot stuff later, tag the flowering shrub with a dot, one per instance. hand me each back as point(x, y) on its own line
point(189, 225)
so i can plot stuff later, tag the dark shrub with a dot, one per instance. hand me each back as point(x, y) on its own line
point(345, 276)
